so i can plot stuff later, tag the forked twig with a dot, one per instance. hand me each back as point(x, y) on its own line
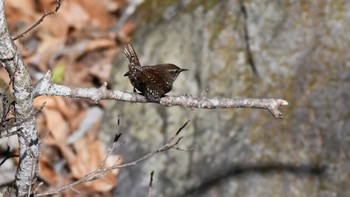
point(38, 21)
point(12, 129)
point(172, 143)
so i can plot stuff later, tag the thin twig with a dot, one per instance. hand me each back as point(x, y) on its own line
point(38, 21)
point(183, 126)
point(109, 153)
point(39, 185)
point(100, 172)
point(7, 101)
point(150, 184)
point(185, 149)
point(7, 155)
point(12, 129)
point(45, 135)
point(250, 56)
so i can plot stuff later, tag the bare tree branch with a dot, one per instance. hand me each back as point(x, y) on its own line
point(24, 125)
point(10, 131)
point(22, 85)
point(45, 87)
point(14, 127)
point(172, 143)
point(38, 21)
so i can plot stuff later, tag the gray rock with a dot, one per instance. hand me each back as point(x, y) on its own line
point(301, 53)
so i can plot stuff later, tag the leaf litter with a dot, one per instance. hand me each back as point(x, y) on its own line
point(78, 44)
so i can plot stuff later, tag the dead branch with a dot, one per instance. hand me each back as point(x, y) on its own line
point(14, 127)
point(172, 143)
point(41, 19)
point(45, 87)
point(23, 93)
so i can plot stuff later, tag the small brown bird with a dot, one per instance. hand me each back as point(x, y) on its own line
point(152, 81)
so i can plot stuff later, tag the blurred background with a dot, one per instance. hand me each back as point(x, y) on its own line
point(295, 50)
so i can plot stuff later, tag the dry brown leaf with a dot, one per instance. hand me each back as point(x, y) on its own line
point(83, 47)
point(59, 104)
point(18, 10)
point(74, 122)
point(57, 125)
point(98, 15)
point(53, 112)
point(108, 182)
point(24, 6)
point(128, 27)
point(46, 50)
point(46, 171)
point(101, 69)
point(19, 15)
point(113, 5)
point(89, 156)
point(77, 36)
point(55, 26)
point(99, 44)
point(77, 75)
point(68, 154)
point(4, 75)
point(46, 5)
point(50, 102)
point(75, 15)
point(68, 111)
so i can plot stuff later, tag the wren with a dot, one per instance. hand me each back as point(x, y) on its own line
point(152, 81)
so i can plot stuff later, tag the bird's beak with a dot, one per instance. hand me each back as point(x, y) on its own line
point(183, 70)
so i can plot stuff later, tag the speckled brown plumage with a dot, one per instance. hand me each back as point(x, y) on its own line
point(152, 81)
